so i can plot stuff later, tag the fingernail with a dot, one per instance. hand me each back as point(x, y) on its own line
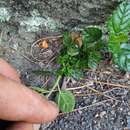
point(54, 104)
point(36, 127)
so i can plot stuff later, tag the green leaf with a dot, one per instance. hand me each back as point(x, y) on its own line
point(114, 47)
point(66, 101)
point(120, 19)
point(119, 38)
point(90, 36)
point(62, 59)
point(93, 59)
point(68, 70)
point(122, 59)
point(67, 40)
point(125, 47)
point(77, 74)
point(119, 27)
point(115, 41)
point(73, 51)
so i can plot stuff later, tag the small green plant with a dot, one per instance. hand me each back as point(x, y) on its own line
point(79, 54)
point(79, 51)
point(82, 50)
point(119, 27)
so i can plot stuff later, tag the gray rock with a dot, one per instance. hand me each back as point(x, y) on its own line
point(55, 15)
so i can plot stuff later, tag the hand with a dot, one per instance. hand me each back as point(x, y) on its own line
point(19, 104)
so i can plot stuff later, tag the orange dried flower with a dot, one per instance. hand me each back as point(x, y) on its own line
point(44, 44)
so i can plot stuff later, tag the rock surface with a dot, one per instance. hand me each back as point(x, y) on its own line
point(55, 15)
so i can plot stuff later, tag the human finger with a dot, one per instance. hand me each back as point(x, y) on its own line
point(19, 103)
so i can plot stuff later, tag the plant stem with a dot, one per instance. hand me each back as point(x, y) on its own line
point(59, 88)
point(55, 85)
point(40, 90)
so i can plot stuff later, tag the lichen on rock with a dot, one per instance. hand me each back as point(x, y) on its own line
point(35, 22)
point(5, 14)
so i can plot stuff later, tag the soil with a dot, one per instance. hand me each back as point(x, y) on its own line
point(28, 21)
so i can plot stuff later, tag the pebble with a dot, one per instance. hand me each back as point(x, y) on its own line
point(128, 122)
point(102, 114)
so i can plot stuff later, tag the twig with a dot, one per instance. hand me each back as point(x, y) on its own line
point(84, 86)
point(101, 93)
point(104, 72)
point(46, 82)
point(83, 95)
point(64, 83)
point(50, 37)
point(54, 87)
point(51, 60)
point(111, 84)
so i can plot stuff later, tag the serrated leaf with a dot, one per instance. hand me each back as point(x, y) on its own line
point(114, 47)
point(90, 36)
point(122, 37)
point(73, 51)
point(119, 27)
point(125, 47)
point(66, 101)
point(67, 40)
point(93, 59)
point(115, 41)
point(77, 74)
point(120, 19)
point(122, 59)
